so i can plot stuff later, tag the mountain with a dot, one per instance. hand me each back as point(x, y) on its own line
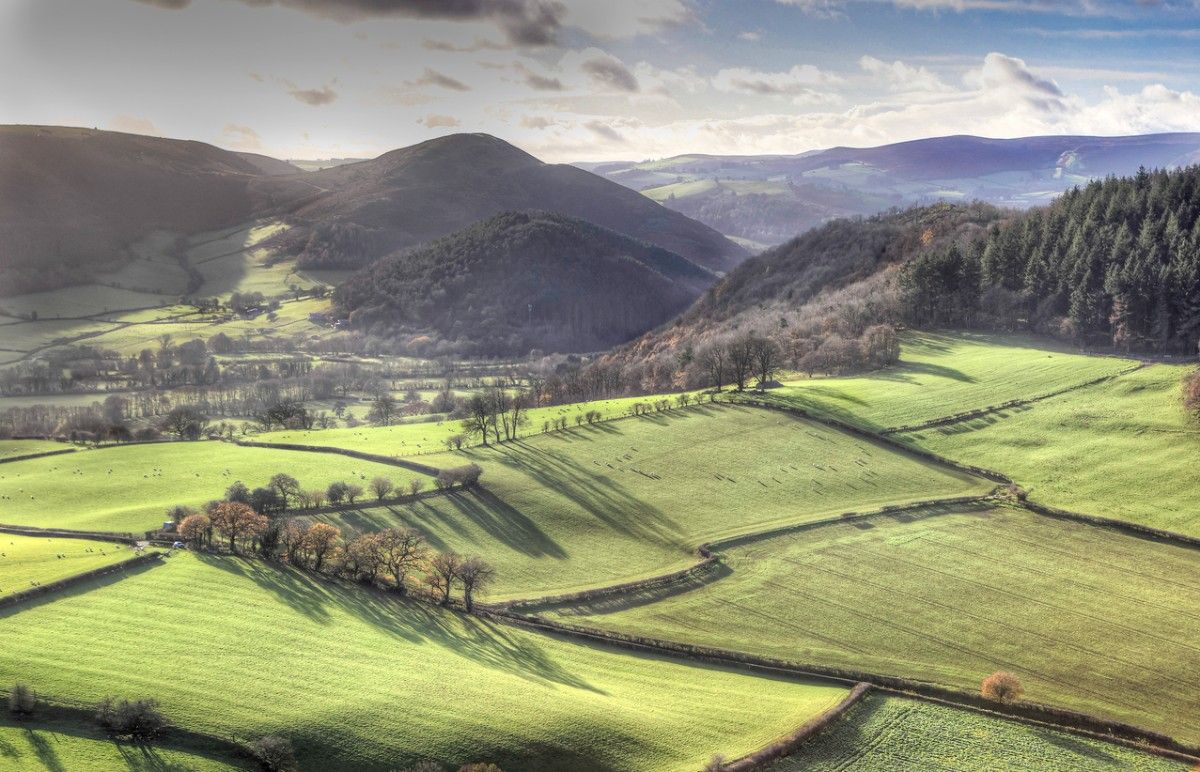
point(265, 164)
point(415, 194)
point(72, 201)
point(768, 199)
point(520, 281)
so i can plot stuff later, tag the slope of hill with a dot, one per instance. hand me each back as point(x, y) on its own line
point(265, 164)
point(523, 280)
point(74, 200)
point(770, 198)
point(415, 194)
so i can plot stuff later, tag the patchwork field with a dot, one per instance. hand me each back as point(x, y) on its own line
point(130, 487)
point(883, 733)
point(376, 684)
point(1088, 618)
point(625, 499)
point(1125, 449)
point(941, 375)
point(62, 746)
point(29, 560)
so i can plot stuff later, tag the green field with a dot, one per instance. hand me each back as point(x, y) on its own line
point(625, 499)
point(29, 560)
point(881, 734)
point(940, 375)
point(14, 448)
point(1125, 449)
point(359, 680)
point(81, 300)
point(1088, 618)
point(63, 746)
point(130, 487)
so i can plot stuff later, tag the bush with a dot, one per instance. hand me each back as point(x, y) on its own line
point(1191, 393)
point(135, 719)
point(479, 767)
point(274, 753)
point(21, 701)
point(1002, 687)
point(716, 763)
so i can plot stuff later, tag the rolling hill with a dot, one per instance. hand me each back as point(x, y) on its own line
point(769, 199)
point(523, 280)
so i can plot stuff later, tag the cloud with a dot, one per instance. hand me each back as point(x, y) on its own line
point(537, 81)
point(604, 131)
point(614, 19)
point(902, 77)
point(750, 36)
point(312, 96)
point(538, 122)
point(240, 137)
point(435, 120)
point(133, 124)
point(821, 9)
point(1007, 71)
point(480, 44)
point(432, 77)
point(609, 71)
point(797, 81)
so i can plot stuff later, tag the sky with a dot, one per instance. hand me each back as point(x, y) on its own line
point(590, 80)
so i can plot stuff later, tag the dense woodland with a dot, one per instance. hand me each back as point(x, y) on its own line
point(1116, 262)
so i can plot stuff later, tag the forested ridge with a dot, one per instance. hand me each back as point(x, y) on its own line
point(1115, 262)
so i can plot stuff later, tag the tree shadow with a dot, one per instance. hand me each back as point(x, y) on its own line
point(45, 751)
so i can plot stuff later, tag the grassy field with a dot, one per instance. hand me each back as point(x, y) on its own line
point(360, 681)
point(29, 560)
point(1124, 448)
point(14, 448)
point(129, 488)
point(1088, 618)
point(625, 499)
point(82, 300)
point(881, 734)
point(941, 375)
point(62, 746)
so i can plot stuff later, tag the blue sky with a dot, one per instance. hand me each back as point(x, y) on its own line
point(609, 79)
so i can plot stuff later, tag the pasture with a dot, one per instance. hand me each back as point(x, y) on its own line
point(128, 488)
point(1089, 618)
point(1124, 449)
point(941, 374)
point(621, 500)
point(65, 746)
point(26, 561)
point(241, 648)
point(883, 733)
point(16, 448)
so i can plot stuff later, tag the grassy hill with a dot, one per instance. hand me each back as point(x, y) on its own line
point(519, 281)
point(29, 560)
point(358, 680)
point(1088, 618)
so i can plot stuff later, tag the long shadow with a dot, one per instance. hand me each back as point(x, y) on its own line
point(47, 755)
point(625, 601)
point(79, 589)
point(505, 523)
point(1079, 747)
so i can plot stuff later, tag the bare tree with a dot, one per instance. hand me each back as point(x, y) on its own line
point(402, 551)
point(381, 487)
point(415, 485)
point(767, 357)
point(714, 360)
point(443, 570)
point(741, 360)
point(475, 574)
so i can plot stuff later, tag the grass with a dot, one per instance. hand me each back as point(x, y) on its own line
point(130, 487)
point(29, 560)
point(240, 648)
point(14, 448)
point(66, 746)
point(625, 499)
point(882, 733)
point(1088, 618)
point(81, 300)
point(941, 375)
point(1124, 449)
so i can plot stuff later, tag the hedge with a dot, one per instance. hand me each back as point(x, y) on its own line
point(66, 533)
point(411, 465)
point(71, 581)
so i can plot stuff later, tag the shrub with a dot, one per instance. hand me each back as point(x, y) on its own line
point(426, 766)
point(1002, 687)
point(135, 719)
point(274, 753)
point(716, 764)
point(21, 701)
point(479, 767)
point(1191, 393)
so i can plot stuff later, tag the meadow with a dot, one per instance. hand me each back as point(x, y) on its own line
point(1089, 618)
point(944, 374)
point(29, 560)
point(375, 683)
point(128, 488)
point(883, 733)
point(66, 746)
point(15, 448)
point(1124, 449)
point(625, 499)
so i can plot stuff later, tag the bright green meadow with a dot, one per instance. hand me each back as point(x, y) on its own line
point(29, 560)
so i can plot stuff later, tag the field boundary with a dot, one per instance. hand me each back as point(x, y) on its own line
point(968, 415)
point(412, 466)
point(33, 593)
point(1097, 521)
point(41, 454)
point(66, 533)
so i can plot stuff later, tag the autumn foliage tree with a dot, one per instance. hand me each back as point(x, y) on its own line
point(196, 530)
point(1002, 686)
point(319, 541)
point(237, 521)
point(402, 551)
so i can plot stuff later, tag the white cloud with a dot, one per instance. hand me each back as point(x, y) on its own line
point(800, 79)
point(902, 77)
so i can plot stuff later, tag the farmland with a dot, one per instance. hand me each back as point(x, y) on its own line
point(379, 684)
point(942, 374)
point(29, 560)
point(129, 488)
point(614, 501)
point(15, 448)
point(1125, 449)
point(1090, 618)
point(887, 733)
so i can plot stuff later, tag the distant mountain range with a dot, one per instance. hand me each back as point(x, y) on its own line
point(766, 200)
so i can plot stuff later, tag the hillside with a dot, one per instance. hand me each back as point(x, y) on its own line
point(768, 199)
point(415, 194)
point(520, 281)
point(74, 200)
